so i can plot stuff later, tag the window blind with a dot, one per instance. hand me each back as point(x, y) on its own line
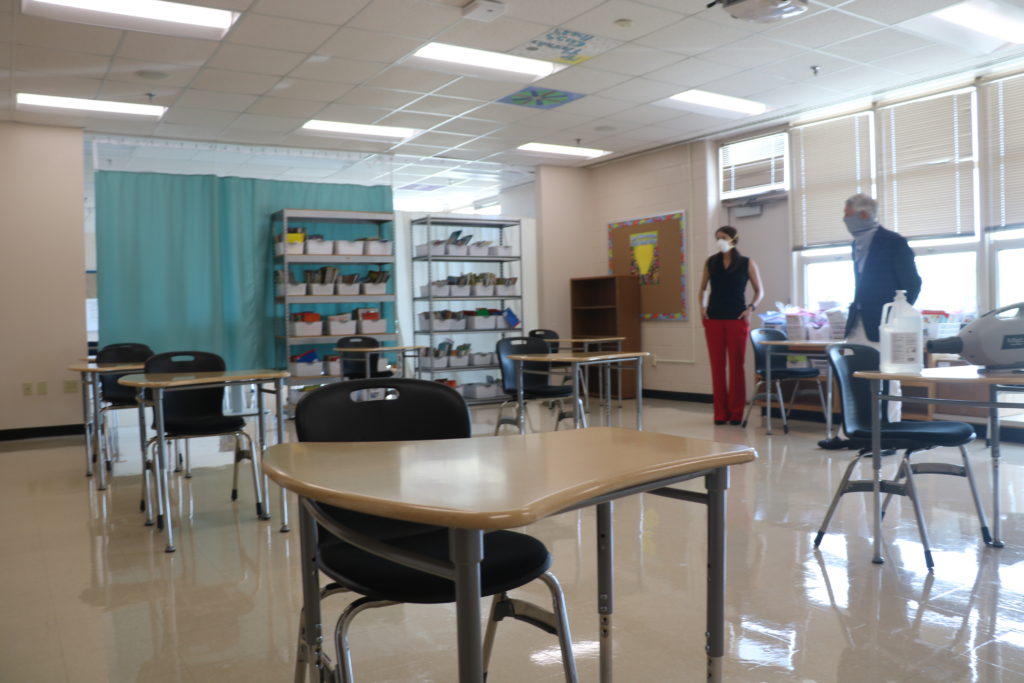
point(752, 166)
point(927, 165)
point(831, 160)
point(1003, 167)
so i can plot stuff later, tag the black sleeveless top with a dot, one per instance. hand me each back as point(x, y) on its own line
point(728, 286)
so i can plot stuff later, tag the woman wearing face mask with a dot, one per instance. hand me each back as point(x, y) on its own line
point(726, 320)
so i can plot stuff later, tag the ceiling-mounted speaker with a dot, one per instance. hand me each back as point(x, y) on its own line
point(483, 10)
point(762, 11)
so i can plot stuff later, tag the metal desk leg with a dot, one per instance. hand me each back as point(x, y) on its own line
point(605, 588)
point(716, 483)
point(828, 401)
point(579, 412)
point(279, 398)
point(608, 398)
point(97, 447)
point(639, 393)
point(768, 391)
point(520, 398)
point(148, 493)
point(163, 519)
point(993, 436)
point(467, 551)
point(310, 630)
point(876, 469)
point(260, 447)
point(87, 419)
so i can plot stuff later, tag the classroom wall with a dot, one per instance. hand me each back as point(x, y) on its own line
point(42, 275)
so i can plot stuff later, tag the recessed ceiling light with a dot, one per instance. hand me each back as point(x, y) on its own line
point(31, 101)
point(152, 16)
point(481, 62)
point(563, 150)
point(704, 102)
point(360, 130)
point(997, 20)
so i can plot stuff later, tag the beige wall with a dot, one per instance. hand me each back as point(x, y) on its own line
point(42, 278)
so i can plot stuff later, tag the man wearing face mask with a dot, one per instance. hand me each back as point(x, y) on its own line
point(726, 320)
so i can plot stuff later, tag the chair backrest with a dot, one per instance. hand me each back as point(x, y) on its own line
point(120, 353)
point(382, 409)
point(353, 365)
point(546, 334)
point(763, 334)
point(194, 402)
point(516, 345)
point(854, 392)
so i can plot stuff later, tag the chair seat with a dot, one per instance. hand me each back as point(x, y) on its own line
point(510, 560)
point(910, 434)
point(548, 391)
point(792, 373)
point(203, 426)
point(381, 528)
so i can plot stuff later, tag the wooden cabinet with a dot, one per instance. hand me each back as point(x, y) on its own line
point(608, 306)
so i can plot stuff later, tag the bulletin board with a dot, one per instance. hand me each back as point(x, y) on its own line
point(653, 250)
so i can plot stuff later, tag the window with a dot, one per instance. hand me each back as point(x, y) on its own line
point(1004, 167)
point(753, 166)
point(829, 284)
point(949, 281)
point(1009, 283)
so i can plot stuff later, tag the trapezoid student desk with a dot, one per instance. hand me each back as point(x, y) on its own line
point(158, 383)
point(403, 353)
point(581, 360)
point(527, 478)
point(996, 381)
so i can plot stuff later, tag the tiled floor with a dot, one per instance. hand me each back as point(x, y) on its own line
point(87, 593)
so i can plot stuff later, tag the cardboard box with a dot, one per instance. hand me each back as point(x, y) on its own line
point(348, 247)
point(456, 249)
point(484, 358)
point(431, 248)
point(506, 290)
point(319, 246)
point(314, 369)
point(481, 322)
point(372, 326)
point(435, 290)
point(344, 289)
point(282, 248)
point(500, 250)
point(458, 290)
point(289, 289)
point(301, 329)
point(379, 247)
point(374, 287)
point(339, 328)
point(482, 290)
point(318, 289)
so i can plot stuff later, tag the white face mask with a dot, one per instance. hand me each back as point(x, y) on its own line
point(724, 246)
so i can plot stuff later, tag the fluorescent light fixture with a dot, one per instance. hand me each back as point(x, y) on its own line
point(997, 20)
point(563, 150)
point(152, 16)
point(360, 130)
point(29, 101)
point(469, 61)
point(721, 103)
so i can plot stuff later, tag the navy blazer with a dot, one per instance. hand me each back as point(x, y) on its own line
point(889, 266)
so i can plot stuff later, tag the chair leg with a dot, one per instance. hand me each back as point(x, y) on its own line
point(562, 623)
point(492, 628)
point(234, 472)
point(835, 499)
point(969, 473)
point(301, 665)
point(188, 461)
point(256, 475)
point(900, 474)
point(921, 527)
point(505, 420)
point(341, 634)
point(750, 403)
point(782, 406)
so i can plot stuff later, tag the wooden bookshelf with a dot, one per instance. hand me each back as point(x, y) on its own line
point(608, 306)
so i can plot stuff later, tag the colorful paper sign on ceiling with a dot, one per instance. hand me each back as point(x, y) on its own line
point(566, 47)
point(540, 98)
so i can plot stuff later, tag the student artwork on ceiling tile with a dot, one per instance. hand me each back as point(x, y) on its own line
point(566, 47)
point(540, 98)
point(653, 250)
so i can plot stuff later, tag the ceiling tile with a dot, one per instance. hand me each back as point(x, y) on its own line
point(127, 70)
point(747, 83)
point(207, 99)
point(195, 117)
point(694, 71)
point(642, 116)
point(255, 59)
point(408, 78)
point(279, 33)
point(692, 36)
point(322, 68)
point(856, 81)
point(408, 119)
point(499, 35)
point(252, 137)
point(632, 59)
point(556, 119)
point(890, 12)
point(234, 5)
point(286, 106)
point(643, 19)
point(468, 126)
point(928, 60)
point(799, 68)
point(548, 12)
point(406, 18)
point(377, 97)
point(335, 12)
point(55, 84)
point(595, 106)
point(173, 130)
point(823, 28)
point(477, 89)
point(751, 51)
point(234, 81)
point(797, 93)
point(302, 89)
point(465, 154)
point(121, 91)
point(262, 122)
point(505, 113)
point(154, 48)
point(640, 91)
point(65, 36)
point(6, 27)
point(885, 43)
point(580, 79)
point(351, 113)
point(351, 43)
point(435, 104)
point(43, 60)
point(437, 139)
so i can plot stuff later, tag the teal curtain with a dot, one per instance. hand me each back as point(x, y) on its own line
point(185, 262)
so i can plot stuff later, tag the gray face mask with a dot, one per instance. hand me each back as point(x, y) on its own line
point(856, 225)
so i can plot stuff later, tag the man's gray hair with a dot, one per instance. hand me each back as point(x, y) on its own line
point(862, 202)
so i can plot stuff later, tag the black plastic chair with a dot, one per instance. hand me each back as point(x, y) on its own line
point(411, 409)
point(194, 413)
point(780, 374)
point(114, 396)
point(547, 335)
point(354, 364)
point(536, 384)
point(910, 436)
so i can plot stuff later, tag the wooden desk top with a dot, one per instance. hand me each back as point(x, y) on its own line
point(106, 367)
point(809, 344)
point(964, 373)
point(579, 356)
point(494, 482)
point(166, 380)
point(587, 340)
point(380, 349)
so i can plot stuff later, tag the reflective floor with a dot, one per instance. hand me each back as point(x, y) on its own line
point(87, 593)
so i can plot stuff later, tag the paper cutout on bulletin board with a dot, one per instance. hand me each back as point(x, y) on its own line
point(652, 249)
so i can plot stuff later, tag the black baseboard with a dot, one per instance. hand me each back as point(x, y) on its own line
point(677, 396)
point(40, 432)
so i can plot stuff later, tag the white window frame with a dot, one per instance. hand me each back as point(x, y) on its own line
point(779, 186)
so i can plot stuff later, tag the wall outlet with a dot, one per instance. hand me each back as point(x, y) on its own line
point(26, 389)
point(71, 386)
point(41, 389)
